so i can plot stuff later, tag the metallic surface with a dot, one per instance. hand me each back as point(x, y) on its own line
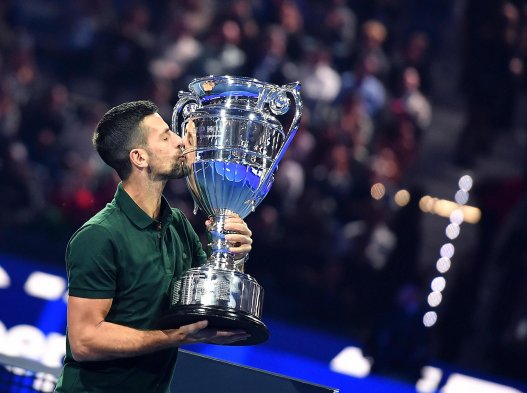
point(217, 287)
point(234, 139)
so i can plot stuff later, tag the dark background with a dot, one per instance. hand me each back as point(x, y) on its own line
point(412, 94)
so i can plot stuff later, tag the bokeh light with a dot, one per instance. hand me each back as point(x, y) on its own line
point(452, 231)
point(443, 264)
point(402, 197)
point(434, 299)
point(430, 318)
point(447, 250)
point(438, 284)
point(378, 191)
point(465, 182)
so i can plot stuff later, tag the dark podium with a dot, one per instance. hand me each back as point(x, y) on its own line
point(203, 374)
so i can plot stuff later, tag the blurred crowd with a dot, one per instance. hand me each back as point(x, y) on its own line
point(325, 251)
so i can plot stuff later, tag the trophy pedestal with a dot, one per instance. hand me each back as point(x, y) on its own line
point(219, 318)
point(228, 299)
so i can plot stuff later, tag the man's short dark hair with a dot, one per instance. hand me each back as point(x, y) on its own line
point(119, 131)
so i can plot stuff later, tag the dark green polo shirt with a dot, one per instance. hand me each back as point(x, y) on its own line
point(121, 253)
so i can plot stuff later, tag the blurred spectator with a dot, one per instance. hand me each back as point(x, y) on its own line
point(369, 88)
point(412, 101)
point(321, 83)
point(222, 53)
point(416, 54)
point(271, 62)
point(373, 36)
point(339, 33)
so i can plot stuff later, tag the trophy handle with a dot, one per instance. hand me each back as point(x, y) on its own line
point(186, 104)
point(279, 104)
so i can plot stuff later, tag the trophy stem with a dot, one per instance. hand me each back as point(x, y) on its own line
point(221, 257)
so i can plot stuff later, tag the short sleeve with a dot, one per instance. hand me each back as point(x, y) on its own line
point(90, 264)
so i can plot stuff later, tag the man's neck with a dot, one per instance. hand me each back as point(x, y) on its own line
point(146, 194)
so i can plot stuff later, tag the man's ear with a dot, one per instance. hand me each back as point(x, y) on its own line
point(139, 158)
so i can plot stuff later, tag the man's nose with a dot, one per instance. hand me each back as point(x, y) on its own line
point(177, 141)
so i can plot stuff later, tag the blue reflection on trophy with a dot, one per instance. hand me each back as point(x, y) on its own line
point(235, 141)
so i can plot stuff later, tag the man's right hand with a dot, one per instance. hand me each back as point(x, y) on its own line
point(200, 332)
point(93, 338)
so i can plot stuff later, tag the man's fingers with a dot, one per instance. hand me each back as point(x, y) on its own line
point(238, 240)
point(194, 328)
point(237, 225)
point(218, 336)
point(229, 337)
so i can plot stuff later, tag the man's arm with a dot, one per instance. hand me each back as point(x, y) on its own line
point(92, 338)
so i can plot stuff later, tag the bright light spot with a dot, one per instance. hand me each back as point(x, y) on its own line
point(431, 376)
point(402, 197)
point(54, 351)
point(472, 214)
point(5, 281)
point(430, 318)
point(458, 383)
point(434, 299)
point(426, 203)
point(447, 250)
point(19, 371)
point(45, 286)
point(452, 231)
point(461, 197)
point(444, 208)
point(29, 342)
point(351, 361)
point(438, 284)
point(24, 340)
point(44, 382)
point(443, 265)
point(457, 217)
point(465, 183)
point(377, 191)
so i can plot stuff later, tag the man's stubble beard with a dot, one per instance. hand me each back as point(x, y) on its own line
point(178, 171)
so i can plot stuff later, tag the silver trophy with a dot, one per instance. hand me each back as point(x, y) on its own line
point(236, 142)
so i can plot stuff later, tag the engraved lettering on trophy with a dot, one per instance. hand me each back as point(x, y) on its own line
point(176, 291)
point(200, 290)
point(223, 290)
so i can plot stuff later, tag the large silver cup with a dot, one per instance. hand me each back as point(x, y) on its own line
point(236, 142)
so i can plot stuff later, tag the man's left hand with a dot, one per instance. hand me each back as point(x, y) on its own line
point(240, 241)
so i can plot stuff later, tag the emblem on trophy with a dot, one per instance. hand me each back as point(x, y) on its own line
point(235, 129)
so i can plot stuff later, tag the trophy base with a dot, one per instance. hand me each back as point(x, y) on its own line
point(219, 318)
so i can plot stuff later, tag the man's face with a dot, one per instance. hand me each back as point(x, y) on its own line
point(164, 148)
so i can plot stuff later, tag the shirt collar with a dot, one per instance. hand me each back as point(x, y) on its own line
point(136, 214)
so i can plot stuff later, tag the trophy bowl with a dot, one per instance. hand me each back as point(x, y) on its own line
point(233, 128)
